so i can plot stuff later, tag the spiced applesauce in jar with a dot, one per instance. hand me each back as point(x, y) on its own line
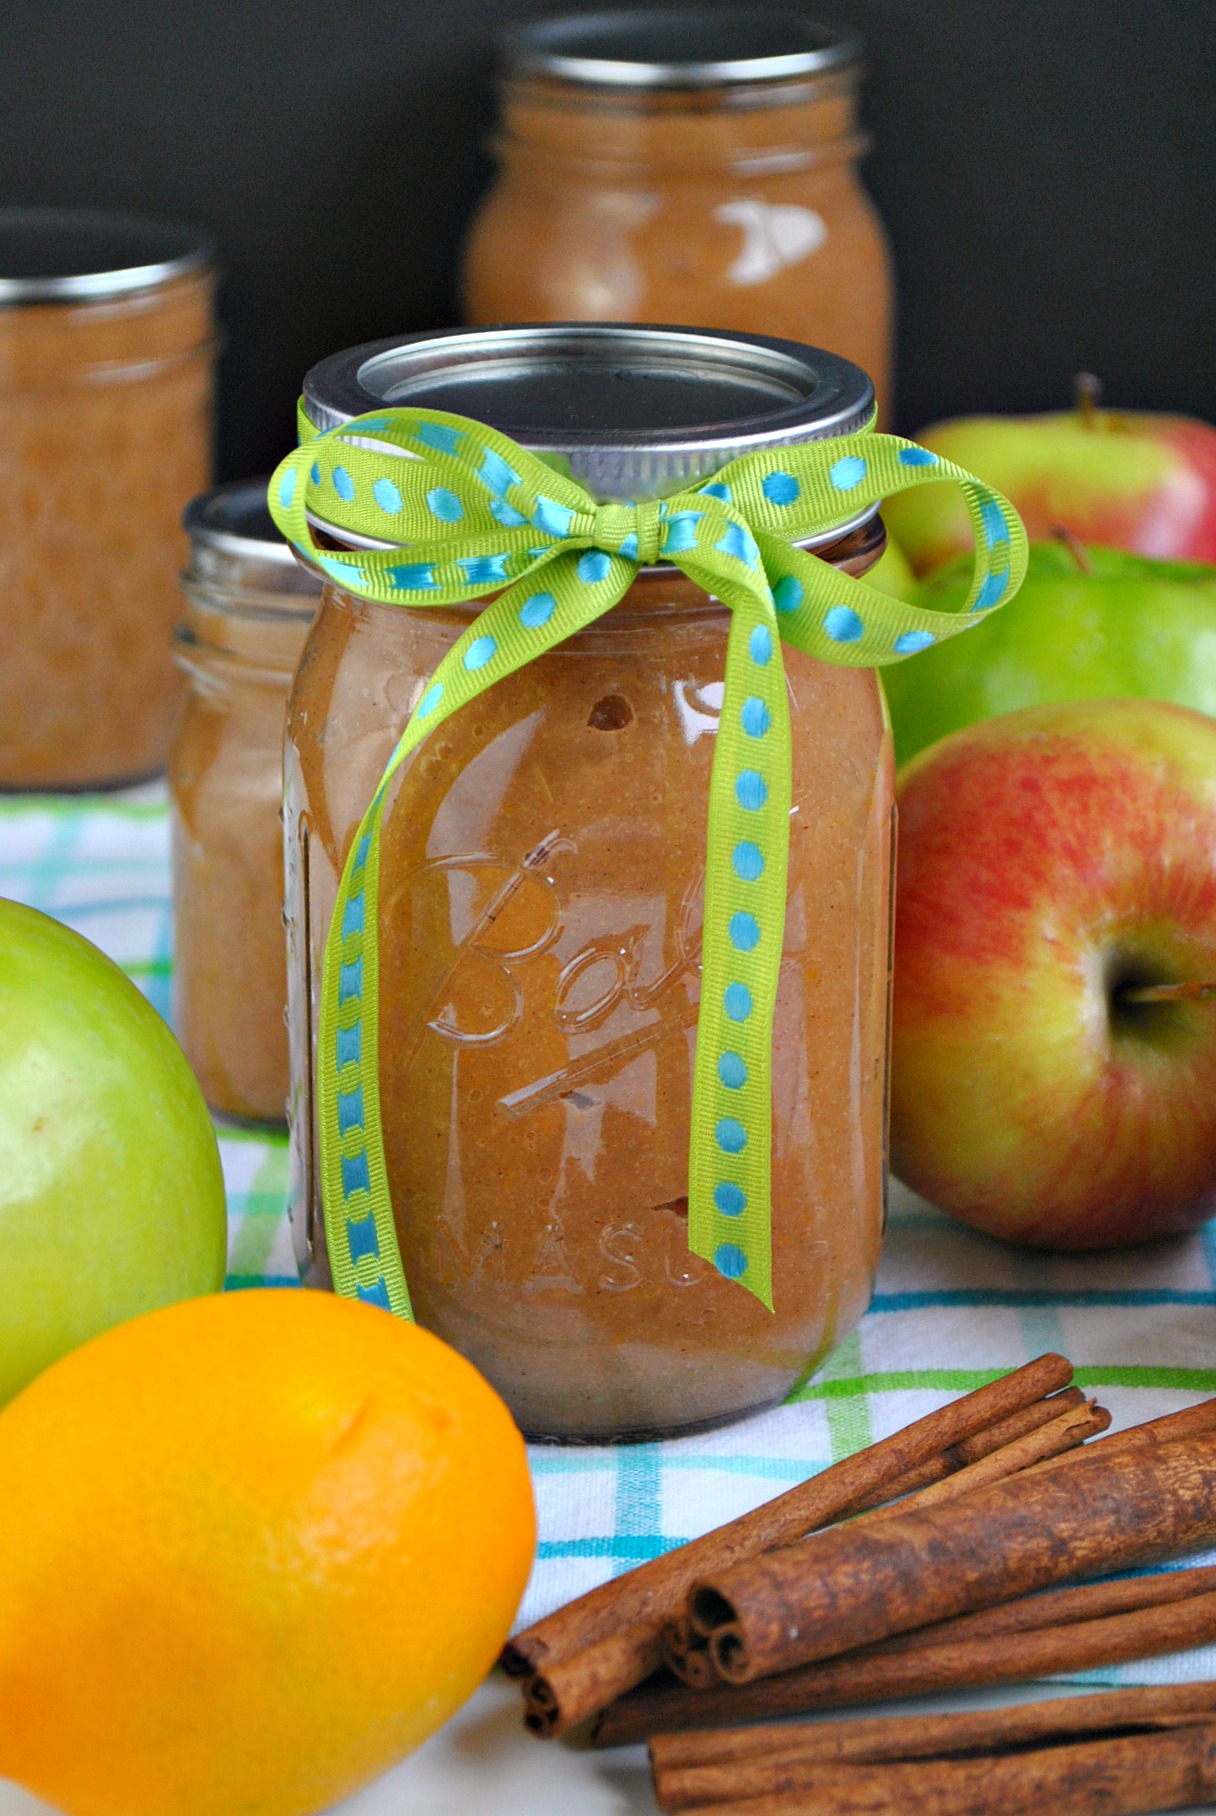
point(249, 604)
point(106, 354)
point(685, 166)
point(541, 880)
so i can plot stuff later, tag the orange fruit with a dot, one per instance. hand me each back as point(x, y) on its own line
point(255, 1548)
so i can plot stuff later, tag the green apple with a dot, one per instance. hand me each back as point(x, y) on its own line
point(892, 572)
point(1126, 479)
point(1053, 1071)
point(111, 1195)
point(1128, 628)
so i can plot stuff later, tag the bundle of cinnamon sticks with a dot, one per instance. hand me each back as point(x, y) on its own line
point(917, 1564)
point(1107, 1755)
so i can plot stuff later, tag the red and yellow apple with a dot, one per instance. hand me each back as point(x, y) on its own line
point(1054, 1051)
point(1126, 479)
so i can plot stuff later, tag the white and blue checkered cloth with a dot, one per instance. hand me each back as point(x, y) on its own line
point(951, 1308)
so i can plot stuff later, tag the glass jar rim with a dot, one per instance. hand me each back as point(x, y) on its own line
point(239, 556)
point(64, 255)
point(234, 519)
point(629, 410)
point(674, 48)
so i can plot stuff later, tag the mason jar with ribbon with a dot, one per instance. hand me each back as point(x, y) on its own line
point(589, 886)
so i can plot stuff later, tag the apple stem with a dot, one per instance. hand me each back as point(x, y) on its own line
point(1076, 549)
point(1166, 993)
point(1087, 395)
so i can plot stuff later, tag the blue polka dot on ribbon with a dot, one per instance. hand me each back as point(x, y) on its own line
point(731, 1135)
point(593, 567)
point(847, 473)
point(754, 717)
point(744, 931)
point(748, 860)
point(781, 488)
point(843, 625)
point(730, 1260)
point(479, 652)
point(751, 790)
point(737, 1001)
point(537, 610)
point(443, 503)
point(506, 514)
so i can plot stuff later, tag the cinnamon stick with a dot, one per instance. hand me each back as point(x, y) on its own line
point(862, 1582)
point(1191, 1422)
point(971, 1450)
point(735, 1780)
point(886, 1737)
point(1062, 1435)
point(1057, 1608)
point(575, 1687)
point(686, 1654)
point(1108, 1777)
point(882, 1673)
point(685, 1645)
point(599, 1646)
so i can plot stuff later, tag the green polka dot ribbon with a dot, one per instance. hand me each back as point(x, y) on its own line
point(472, 514)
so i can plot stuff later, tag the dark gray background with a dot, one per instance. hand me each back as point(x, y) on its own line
point(1047, 169)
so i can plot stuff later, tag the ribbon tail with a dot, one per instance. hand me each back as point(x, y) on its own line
point(730, 1138)
point(360, 1230)
point(361, 1237)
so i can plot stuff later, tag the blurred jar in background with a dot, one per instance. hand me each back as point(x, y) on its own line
point(106, 355)
point(250, 605)
point(692, 167)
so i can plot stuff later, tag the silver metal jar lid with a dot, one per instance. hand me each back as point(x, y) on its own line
point(629, 411)
point(235, 541)
point(65, 255)
point(678, 47)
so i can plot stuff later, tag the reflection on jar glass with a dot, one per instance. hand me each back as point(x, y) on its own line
point(106, 357)
point(249, 606)
point(541, 880)
point(694, 167)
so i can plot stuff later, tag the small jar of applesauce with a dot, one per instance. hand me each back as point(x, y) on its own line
point(685, 166)
point(541, 879)
point(106, 353)
point(249, 606)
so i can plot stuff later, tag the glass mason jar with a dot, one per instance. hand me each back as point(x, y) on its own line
point(541, 878)
point(106, 354)
point(677, 166)
point(249, 606)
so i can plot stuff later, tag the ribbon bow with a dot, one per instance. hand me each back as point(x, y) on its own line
point(473, 513)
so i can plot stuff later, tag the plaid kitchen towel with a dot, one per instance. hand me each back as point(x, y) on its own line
point(950, 1311)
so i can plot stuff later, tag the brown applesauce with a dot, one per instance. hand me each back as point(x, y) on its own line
point(653, 171)
point(249, 606)
point(106, 356)
point(542, 872)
